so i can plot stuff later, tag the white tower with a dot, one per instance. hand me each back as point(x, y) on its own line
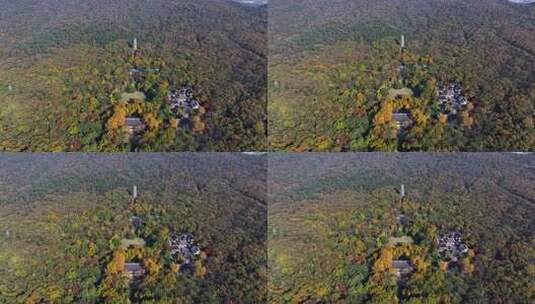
point(134, 192)
point(402, 190)
point(402, 43)
point(135, 44)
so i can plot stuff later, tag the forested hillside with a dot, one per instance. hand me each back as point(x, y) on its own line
point(338, 73)
point(72, 228)
point(343, 229)
point(71, 75)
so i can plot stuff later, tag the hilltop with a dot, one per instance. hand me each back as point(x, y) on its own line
point(334, 63)
point(73, 60)
point(93, 228)
point(343, 229)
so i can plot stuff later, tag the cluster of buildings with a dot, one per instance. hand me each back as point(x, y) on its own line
point(182, 99)
point(451, 245)
point(451, 97)
point(183, 247)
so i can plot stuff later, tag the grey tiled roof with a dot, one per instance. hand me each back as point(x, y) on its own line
point(401, 117)
point(133, 121)
point(401, 264)
point(134, 267)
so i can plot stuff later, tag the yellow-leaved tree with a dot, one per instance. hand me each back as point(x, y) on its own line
point(384, 261)
point(116, 265)
point(199, 269)
point(384, 115)
point(466, 265)
point(153, 268)
point(197, 124)
point(118, 117)
point(152, 121)
point(419, 263)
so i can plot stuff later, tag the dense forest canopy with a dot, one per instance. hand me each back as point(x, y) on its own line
point(339, 226)
point(336, 66)
point(71, 228)
point(75, 61)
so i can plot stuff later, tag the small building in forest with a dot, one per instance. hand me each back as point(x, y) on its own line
point(402, 120)
point(134, 271)
point(402, 219)
point(402, 267)
point(136, 221)
point(134, 125)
